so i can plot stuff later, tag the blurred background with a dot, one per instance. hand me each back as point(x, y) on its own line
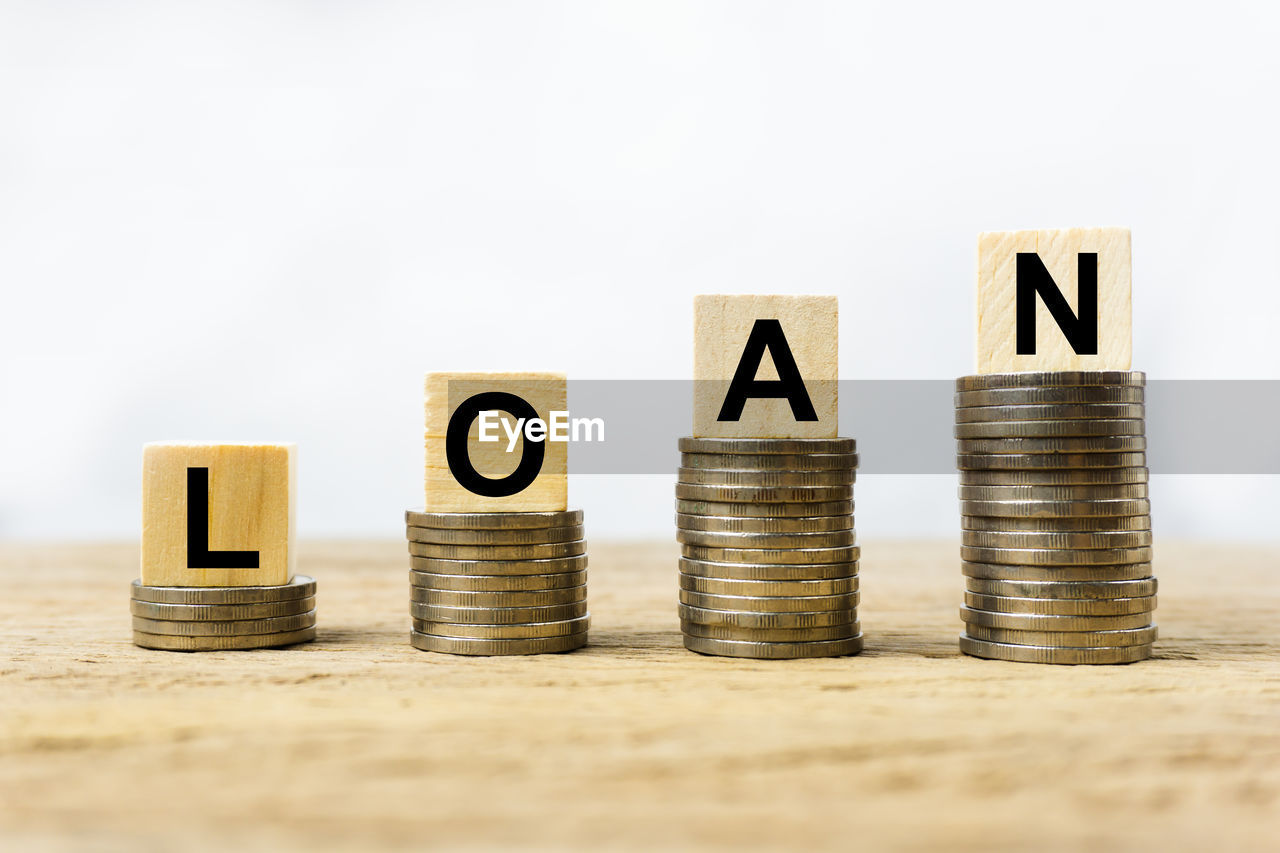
point(267, 220)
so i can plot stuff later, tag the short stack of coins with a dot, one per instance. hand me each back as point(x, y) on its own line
point(1056, 520)
point(223, 618)
point(769, 559)
point(497, 583)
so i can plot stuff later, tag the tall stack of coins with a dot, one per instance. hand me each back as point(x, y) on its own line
point(223, 618)
point(1056, 517)
point(497, 583)
point(769, 560)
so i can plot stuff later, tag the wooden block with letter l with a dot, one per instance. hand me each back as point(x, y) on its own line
point(218, 514)
point(765, 366)
point(467, 474)
point(1054, 300)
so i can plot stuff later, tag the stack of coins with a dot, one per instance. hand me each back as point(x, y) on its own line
point(1056, 517)
point(497, 583)
point(223, 618)
point(769, 560)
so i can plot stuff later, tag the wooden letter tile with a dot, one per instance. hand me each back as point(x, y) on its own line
point(218, 514)
point(445, 392)
point(735, 335)
point(1060, 252)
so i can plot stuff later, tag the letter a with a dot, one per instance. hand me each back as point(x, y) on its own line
point(767, 335)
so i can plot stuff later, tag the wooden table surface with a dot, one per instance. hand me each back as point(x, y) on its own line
point(359, 741)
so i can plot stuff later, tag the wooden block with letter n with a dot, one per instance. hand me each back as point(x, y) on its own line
point(217, 514)
point(464, 472)
point(1054, 300)
point(765, 366)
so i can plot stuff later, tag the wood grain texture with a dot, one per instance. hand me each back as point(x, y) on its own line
point(358, 742)
point(721, 327)
point(1057, 248)
point(252, 507)
point(444, 392)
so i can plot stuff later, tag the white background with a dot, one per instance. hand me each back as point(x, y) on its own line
point(266, 220)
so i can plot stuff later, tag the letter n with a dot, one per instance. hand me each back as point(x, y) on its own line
point(1079, 328)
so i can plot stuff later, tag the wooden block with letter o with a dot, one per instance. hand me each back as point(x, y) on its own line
point(217, 514)
point(510, 474)
point(765, 366)
point(1054, 300)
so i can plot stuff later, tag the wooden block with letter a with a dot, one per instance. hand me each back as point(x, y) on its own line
point(1054, 300)
point(218, 514)
point(506, 475)
point(765, 366)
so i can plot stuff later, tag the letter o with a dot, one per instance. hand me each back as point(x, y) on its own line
point(455, 446)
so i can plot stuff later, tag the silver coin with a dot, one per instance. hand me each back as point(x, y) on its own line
point(220, 612)
point(768, 445)
point(1056, 556)
point(772, 461)
point(844, 554)
point(548, 566)
point(1057, 509)
point(994, 571)
point(768, 571)
point(1053, 655)
point(496, 615)
point(521, 631)
point(772, 635)
point(499, 552)
point(1038, 622)
point(1070, 639)
point(1067, 524)
point(770, 604)
point(469, 646)
point(793, 525)
point(515, 536)
point(1061, 446)
point(300, 586)
point(1077, 428)
point(1051, 395)
point(492, 520)
point(1056, 477)
point(525, 598)
point(1051, 379)
point(1057, 412)
point(171, 643)
point(1062, 589)
point(496, 583)
point(1025, 539)
point(727, 586)
point(1061, 606)
point(1052, 461)
point(1054, 493)
point(773, 651)
point(764, 510)
point(747, 619)
point(770, 479)
point(234, 628)
point(829, 539)
point(763, 494)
